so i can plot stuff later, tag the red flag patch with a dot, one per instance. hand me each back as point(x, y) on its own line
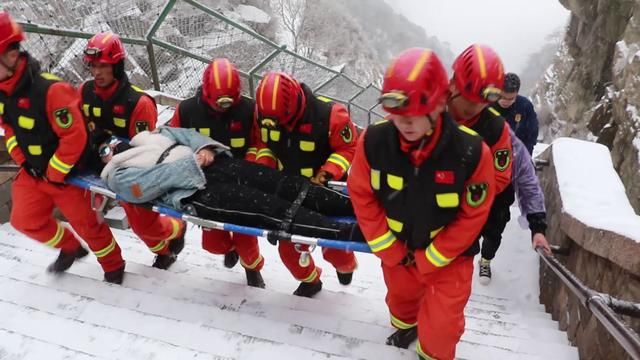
point(235, 126)
point(305, 129)
point(24, 103)
point(447, 177)
point(118, 109)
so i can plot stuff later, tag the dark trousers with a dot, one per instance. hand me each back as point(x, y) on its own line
point(249, 194)
point(496, 222)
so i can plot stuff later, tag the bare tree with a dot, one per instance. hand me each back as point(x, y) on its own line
point(292, 13)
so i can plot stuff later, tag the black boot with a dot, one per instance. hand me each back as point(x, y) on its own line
point(402, 338)
point(115, 276)
point(254, 278)
point(231, 259)
point(344, 278)
point(65, 260)
point(164, 261)
point(308, 289)
point(176, 245)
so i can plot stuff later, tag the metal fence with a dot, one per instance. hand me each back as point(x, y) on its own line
point(169, 44)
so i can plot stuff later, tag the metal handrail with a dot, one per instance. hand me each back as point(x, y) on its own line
point(598, 304)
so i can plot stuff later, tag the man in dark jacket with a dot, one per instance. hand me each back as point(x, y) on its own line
point(519, 112)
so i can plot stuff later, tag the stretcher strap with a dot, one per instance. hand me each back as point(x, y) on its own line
point(166, 153)
point(290, 214)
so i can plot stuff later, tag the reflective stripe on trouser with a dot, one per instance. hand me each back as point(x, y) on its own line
point(33, 203)
point(343, 261)
point(221, 242)
point(155, 230)
point(435, 301)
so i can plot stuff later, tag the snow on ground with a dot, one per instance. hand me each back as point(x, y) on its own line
point(591, 190)
point(199, 309)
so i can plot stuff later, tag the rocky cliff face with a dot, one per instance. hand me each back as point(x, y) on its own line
point(592, 90)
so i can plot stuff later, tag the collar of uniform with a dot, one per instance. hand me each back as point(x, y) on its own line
point(418, 154)
point(108, 92)
point(472, 121)
point(9, 85)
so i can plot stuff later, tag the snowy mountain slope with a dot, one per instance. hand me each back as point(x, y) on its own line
point(199, 309)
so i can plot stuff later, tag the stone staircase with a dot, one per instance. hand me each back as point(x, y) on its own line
point(201, 310)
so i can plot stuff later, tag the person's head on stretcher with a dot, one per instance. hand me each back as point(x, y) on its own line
point(111, 147)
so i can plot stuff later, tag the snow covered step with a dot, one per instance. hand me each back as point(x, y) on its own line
point(161, 284)
point(73, 315)
point(83, 287)
point(15, 346)
point(194, 259)
point(355, 308)
point(335, 325)
point(97, 297)
point(81, 336)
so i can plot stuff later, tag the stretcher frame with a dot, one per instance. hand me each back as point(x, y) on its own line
point(95, 185)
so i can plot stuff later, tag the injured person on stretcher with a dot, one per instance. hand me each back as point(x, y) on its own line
point(197, 175)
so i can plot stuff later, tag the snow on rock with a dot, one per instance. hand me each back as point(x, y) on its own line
point(590, 188)
point(252, 14)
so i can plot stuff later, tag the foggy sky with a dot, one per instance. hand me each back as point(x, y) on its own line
point(514, 28)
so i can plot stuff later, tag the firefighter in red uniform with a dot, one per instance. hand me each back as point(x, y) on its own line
point(478, 78)
point(220, 112)
point(307, 135)
point(110, 103)
point(421, 188)
point(46, 135)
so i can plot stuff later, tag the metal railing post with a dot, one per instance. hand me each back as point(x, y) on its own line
point(261, 64)
point(149, 37)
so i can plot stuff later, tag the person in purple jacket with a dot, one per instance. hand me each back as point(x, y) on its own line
point(526, 187)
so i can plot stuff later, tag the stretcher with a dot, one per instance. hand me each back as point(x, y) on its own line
point(97, 187)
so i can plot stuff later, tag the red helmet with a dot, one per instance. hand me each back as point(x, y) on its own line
point(105, 48)
point(279, 97)
point(10, 31)
point(414, 83)
point(221, 84)
point(479, 74)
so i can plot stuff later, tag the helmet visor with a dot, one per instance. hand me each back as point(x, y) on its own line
point(224, 102)
point(393, 100)
point(491, 93)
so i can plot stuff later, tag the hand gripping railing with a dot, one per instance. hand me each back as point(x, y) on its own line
point(601, 305)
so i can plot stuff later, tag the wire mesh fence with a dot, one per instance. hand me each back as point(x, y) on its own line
point(169, 43)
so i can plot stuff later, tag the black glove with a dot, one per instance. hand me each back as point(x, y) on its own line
point(32, 171)
point(274, 236)
point(409, 259)
point(537, 223)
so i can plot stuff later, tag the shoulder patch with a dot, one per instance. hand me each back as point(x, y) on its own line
point(141, 126)
point(346, 134)
point(49, 76)
point(476, 194)
point(63, 118)
point(137, 89)
point(323, 98)
point(502, 159)
point(380, 122)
